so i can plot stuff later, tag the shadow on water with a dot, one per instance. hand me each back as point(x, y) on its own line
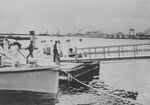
point(18, 97)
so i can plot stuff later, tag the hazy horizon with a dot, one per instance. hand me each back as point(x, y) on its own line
point(69, 16)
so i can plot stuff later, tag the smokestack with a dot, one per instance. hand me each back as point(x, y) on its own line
point(31, 32)
point(32, 38)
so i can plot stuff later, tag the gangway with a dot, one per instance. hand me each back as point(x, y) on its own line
point(114, 52)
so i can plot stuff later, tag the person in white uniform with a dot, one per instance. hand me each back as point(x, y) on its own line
point(14, 51)
point(40, 49)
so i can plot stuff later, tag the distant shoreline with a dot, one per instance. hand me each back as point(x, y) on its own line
point(105, 36)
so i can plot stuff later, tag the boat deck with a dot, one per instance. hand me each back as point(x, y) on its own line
point(27, 68)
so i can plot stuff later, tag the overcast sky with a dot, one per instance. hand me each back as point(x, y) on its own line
point(21, 16)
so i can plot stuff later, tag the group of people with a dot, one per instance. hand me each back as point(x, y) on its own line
point(56, 50)
point(15, 46)
point(8, 45)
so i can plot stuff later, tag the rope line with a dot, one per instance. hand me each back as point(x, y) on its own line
point(95, 89)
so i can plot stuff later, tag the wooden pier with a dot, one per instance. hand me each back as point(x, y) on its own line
point(114, 52)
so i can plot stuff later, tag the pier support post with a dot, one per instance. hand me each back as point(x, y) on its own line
point(76, 55)
point(32, 38)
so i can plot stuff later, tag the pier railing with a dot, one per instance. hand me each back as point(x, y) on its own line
point(129, 51)
point(116, 51)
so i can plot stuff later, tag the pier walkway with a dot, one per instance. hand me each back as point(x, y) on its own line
point(114, 52)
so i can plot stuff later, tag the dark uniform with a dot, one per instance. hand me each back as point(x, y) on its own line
point(30, 48)
point(55, 51)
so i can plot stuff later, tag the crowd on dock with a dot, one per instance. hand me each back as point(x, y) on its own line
point(14, 48)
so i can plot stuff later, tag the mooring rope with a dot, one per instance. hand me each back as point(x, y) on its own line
point(95, 89)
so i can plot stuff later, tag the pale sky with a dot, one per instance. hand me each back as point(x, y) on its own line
point(21, 16)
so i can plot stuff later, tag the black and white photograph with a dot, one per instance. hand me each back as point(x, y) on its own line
point(74, 52)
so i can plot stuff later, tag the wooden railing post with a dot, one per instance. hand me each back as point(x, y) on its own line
point(122, 50)
point(119, 51)
point(108, 51)
point(134, 50)
point(104, 51)
point(90, 54)
point(76, 54)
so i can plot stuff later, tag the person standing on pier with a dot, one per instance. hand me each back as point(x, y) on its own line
point(59, 52)
point(40, 48)
point(30, 49)
point(51, 47)
point(14, 52)
point(55, 51)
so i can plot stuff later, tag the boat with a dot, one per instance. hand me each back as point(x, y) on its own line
point(28, 85)
point(84, 72)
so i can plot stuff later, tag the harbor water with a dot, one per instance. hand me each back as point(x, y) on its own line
point(130, 75)
point(18, 97)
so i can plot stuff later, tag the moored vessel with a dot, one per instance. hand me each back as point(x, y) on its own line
point(28, 85)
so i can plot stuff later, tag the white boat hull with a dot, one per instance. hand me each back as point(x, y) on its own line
point(36, 83)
